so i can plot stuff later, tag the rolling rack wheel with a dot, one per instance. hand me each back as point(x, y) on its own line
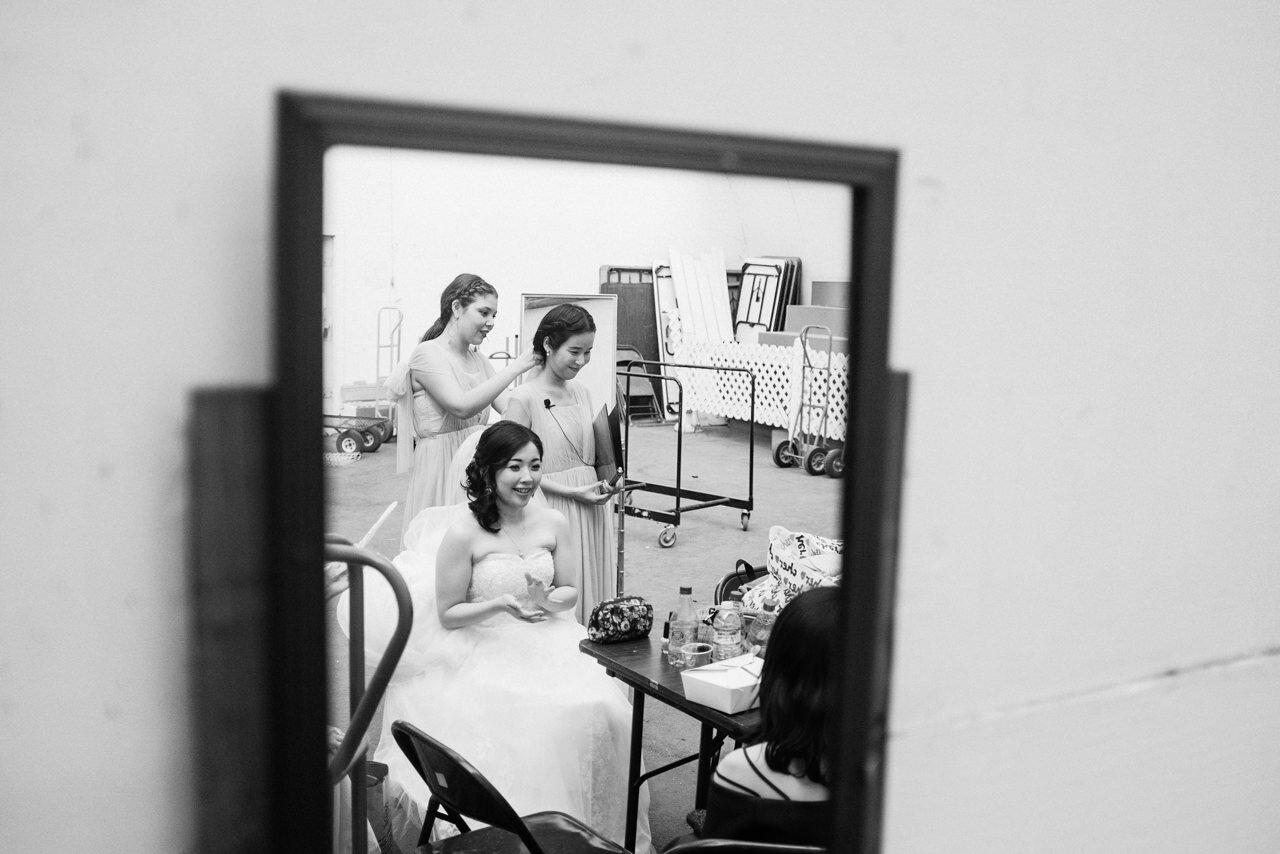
point(667, 537)
point(834, 464)
point(349, 442)
point(746, 519)
point(785, 454)
point(814, 461)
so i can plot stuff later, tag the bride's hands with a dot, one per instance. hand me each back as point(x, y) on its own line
point(539, 592)
point(547, 596)
point(512, 606)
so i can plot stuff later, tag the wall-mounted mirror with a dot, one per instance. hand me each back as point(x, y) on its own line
point(380, 206)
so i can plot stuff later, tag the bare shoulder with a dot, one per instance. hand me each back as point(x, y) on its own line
point(734, 765)
point(463, 531)
point(737, 768)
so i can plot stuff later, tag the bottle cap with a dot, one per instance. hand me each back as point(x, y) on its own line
point(684, 590)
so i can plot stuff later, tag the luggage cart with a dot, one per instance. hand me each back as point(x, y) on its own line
point(357, 432)
point(807, 443)
point(686, 500)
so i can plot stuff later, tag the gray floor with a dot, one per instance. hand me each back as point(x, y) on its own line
point(708, 541)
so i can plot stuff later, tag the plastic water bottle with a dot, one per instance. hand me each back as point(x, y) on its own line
point(762, 627)
point(726, 632)
point(684, 628)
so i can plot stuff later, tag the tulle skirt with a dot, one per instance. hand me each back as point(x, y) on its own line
point(541, 720)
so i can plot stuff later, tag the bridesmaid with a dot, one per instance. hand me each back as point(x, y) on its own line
point(444, 390)
point(557, 407)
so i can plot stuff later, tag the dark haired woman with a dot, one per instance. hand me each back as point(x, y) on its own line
point(493, 668)
point(778, 788)
point(558, 408)
point(443, 392)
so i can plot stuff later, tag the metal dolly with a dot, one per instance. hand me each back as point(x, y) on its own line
point(807, 444)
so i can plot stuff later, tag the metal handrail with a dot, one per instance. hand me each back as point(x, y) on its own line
point(367, 699)
point(349, 759)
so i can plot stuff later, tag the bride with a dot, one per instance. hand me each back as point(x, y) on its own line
point(492, 668)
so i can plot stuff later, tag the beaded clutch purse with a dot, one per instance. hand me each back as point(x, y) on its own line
point(622, 618)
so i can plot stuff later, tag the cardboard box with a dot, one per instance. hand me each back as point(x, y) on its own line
point(726, 686)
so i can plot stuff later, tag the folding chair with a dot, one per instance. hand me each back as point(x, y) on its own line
point(734, 846)
point(458, 789)
point(641, 394)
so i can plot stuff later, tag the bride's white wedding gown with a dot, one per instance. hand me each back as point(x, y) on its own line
point(518, 700)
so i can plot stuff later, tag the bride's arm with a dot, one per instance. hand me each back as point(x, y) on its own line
point(563, 595)
point(453, 576)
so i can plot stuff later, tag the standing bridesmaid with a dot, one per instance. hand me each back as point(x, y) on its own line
point(443, 392)
point(557, 407)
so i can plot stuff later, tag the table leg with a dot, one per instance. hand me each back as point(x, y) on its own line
point(704, 767)
point(633, 773)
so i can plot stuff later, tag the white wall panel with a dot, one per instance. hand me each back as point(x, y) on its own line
point(1085, 295)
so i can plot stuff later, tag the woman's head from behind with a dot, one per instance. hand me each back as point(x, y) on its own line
point(797, 688)
point(564, 340)
point(472, 303)
point(505, 470)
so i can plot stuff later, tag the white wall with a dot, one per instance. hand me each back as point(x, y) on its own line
point(406, 222)
point(1086, 296)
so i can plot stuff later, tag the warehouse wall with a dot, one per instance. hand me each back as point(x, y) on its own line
point(1085, 297)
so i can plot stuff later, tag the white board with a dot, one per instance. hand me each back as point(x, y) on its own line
point(714, 260)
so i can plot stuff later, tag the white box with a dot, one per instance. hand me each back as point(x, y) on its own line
point(732, 685)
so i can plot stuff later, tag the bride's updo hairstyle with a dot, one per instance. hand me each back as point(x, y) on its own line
point(498, 444)
point(560, 324)
point(466, 289)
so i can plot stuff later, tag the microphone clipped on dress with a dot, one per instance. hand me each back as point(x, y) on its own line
point(546, 402)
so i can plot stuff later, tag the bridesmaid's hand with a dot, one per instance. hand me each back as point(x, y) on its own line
point(527, 360)
point(512, 606)
point(593, 493)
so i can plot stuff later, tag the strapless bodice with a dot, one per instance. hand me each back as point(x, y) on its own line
point(499, 573)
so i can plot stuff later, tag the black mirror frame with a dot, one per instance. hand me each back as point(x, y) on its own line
point(307, 125)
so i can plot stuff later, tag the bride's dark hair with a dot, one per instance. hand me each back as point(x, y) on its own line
point(498, 444)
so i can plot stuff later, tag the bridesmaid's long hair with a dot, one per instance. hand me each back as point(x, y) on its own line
point(466, 289)
point(560, 324)
point(498, 444)
point(797, 688)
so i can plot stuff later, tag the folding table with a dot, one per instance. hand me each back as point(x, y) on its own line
point(641, 665)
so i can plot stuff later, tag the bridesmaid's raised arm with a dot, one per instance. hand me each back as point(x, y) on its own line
point(445, 390)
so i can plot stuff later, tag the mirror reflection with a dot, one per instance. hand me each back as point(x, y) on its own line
point(665, 353)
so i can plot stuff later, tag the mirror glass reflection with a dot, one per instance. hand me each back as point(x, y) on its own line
point(400, 225)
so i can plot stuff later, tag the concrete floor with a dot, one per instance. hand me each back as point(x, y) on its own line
point(708, 542)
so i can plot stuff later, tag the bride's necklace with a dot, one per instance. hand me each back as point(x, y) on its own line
point(520, 550)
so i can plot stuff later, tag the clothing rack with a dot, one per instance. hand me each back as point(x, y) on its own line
point(686, 500)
